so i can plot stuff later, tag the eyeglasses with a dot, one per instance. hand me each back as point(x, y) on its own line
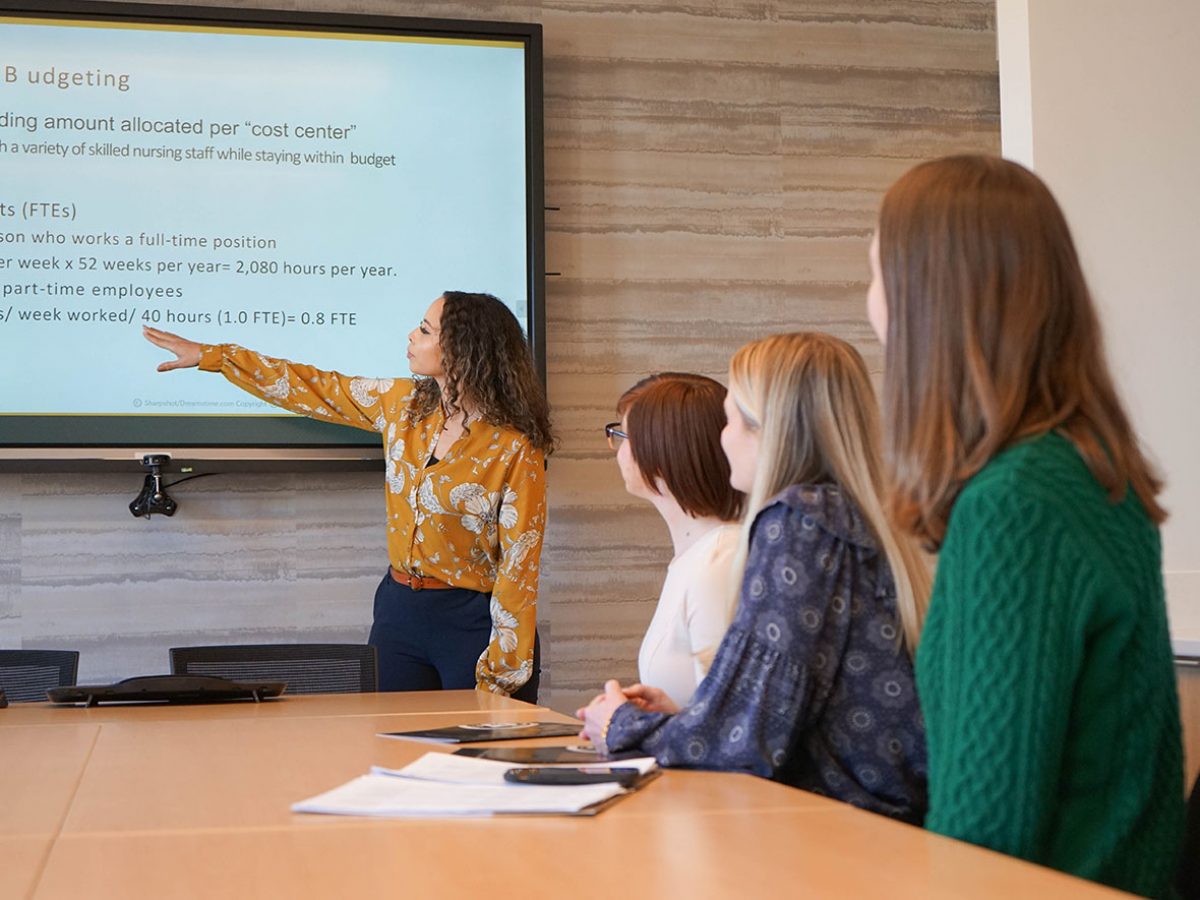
point(615, 435)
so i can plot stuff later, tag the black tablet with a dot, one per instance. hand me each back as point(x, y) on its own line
point(479, 732)
point(572, 754)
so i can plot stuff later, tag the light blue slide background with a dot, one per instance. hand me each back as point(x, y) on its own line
point(451, 214)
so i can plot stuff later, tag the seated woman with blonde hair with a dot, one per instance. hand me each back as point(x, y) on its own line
point(812, 684)
point(668, 446)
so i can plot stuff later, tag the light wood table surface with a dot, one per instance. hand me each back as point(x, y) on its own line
point(285, 707)
point(21, 862)
point(40, 771)
point(178, 804)
point(139, 777)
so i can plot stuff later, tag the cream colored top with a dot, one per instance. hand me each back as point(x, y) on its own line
point(694, 610)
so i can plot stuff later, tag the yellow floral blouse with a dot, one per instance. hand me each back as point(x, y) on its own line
point(474, 519)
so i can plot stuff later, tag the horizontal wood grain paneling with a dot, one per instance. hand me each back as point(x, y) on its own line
point(717, 169)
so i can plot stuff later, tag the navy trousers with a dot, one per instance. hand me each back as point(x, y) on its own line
point(430, 640)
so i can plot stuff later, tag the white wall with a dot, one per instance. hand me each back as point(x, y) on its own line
point(1102, 99)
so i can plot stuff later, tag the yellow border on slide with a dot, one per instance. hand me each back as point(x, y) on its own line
point(254, 32)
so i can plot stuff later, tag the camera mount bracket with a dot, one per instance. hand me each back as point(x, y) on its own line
point(153, 497)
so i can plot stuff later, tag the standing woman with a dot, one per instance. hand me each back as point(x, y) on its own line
point(668, 446)
point(465, 444)
point(812, 684)
point(1045, 669)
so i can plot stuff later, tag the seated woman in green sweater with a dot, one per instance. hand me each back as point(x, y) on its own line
point(1045, 669)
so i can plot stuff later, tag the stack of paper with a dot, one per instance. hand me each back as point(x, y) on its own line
point(440, 784)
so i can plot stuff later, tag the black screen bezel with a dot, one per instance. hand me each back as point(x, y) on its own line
point(92, 442)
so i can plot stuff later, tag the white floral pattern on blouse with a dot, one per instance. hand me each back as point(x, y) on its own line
point(474, 519)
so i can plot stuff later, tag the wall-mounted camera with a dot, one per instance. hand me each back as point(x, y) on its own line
point(153, 499)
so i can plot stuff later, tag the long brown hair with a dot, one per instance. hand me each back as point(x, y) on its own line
point(991, 337)
point(487, 361)
point(810, 397)
point(675, 421)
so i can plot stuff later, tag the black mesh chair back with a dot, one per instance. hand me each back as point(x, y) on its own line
point(26, 675)
point(307, 668)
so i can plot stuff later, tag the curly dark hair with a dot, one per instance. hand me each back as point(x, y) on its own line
point(487, 359)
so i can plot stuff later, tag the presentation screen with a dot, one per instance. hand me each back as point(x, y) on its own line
point(303, 185)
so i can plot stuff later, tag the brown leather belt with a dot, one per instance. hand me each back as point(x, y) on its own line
point(418, 582)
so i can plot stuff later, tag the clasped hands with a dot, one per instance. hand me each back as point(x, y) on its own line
point(596, 715)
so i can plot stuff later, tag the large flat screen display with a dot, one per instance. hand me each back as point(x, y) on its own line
point(300, 184)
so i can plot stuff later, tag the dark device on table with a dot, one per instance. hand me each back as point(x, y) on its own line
point(625, 777)
point(478, 732)
point(167, 689)
point(575, 754)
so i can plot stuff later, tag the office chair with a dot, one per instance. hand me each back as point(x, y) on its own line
point(307, 668)
point(26, 675)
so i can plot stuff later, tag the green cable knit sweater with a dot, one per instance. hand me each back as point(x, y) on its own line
point(1046, 678)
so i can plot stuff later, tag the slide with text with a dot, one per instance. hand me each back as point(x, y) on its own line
point(305, 195)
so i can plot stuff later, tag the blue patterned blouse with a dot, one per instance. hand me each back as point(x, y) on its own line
point(810, 686)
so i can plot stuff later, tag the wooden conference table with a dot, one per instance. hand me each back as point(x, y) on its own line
point(193, 802)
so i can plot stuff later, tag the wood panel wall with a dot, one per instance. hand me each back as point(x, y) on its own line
point(1188, 672)
point(716, 168)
